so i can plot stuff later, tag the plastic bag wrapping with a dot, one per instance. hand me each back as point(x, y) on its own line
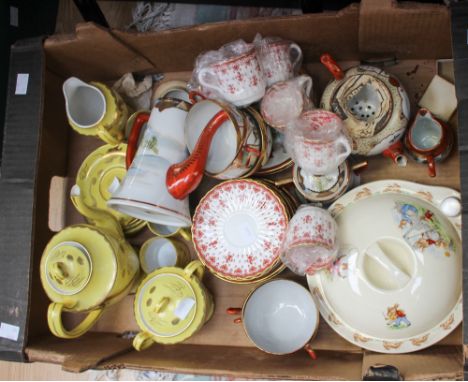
point(311, 243)
point(286, 100)
point(232, 73)
point(317, 142)
point(280, 59)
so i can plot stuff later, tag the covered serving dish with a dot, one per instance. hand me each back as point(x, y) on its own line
point(397, 285)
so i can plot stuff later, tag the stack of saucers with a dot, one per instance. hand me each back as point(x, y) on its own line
point(238, 228)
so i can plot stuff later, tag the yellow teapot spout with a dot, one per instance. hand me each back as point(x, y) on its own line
point(100, 218)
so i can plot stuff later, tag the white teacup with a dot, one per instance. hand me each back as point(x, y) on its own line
point(239, 79)
point(143, 193)
point(280, 317)
point(161, 252)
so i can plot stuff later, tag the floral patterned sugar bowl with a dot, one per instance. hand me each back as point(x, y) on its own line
point(396, 285)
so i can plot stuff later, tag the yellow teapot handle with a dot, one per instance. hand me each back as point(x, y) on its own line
point(196, 267)
point(142, 341)
point(54, 319)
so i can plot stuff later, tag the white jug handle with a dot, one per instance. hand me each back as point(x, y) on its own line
point(344, 142)
point(207, 73)
point(294, 47)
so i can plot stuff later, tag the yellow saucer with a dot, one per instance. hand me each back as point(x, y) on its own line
point(103, 169)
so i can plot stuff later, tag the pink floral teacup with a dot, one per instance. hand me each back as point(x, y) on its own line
point(311, 243)
point(318, 142)
point(279, 59)
point(285, 101)
point(238, 79)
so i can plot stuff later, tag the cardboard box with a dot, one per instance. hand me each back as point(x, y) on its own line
point(42, 153)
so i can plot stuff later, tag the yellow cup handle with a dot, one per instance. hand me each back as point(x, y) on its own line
point(54, 319)
point(196, 267)
point(106, 136)
point(142, 341)
point(186, 234)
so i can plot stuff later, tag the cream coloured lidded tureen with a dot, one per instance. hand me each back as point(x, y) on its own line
point(397, 284)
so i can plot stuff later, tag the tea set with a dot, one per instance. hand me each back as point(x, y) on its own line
point(246, 119)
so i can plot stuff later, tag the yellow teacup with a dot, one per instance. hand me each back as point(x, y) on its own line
point(162, 230)
point(161, 252)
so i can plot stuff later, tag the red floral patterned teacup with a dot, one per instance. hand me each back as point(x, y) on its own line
point(279, 59)
point(318, 142)
point(311, 243)
point(239, 79)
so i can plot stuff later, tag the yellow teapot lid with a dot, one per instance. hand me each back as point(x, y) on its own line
point(68, 267)
point(171, 304)
point(78, 267)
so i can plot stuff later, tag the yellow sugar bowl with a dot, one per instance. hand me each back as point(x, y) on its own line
point(85, 269)
point(171, 305)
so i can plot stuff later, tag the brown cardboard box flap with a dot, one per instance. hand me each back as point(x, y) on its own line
point(80, 354)
point(301, 29)
point(404, 30)
point(74, 54)
point(242, 363)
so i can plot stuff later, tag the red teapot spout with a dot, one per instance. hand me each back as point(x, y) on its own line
point(184, 177)
point(395, 153)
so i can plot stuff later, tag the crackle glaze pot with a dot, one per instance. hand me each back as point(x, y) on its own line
point(373, 105)
point(396, 286)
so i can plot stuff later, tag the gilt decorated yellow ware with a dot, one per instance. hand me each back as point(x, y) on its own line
point(171, 305)
point(85, 269)
point(396, 286)
point(99, 175)
point(95, 109)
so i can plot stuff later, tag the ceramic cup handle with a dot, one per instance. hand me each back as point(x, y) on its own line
point(184, 177)
point(332, 66)
point(132, 146)
point(344, 143)
point(142, 341)
point(298, 52)
point(54, 320)
point(195, 267)
point(203, 77)
point(196, 96)
point(305, 82)
point(186, 234)
point(310, 351)
point(431, 166)
point(106, 136)
point(235, 312)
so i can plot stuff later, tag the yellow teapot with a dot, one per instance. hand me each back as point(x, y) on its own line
point(171, 305)
point(86, 268)
point(95, 109)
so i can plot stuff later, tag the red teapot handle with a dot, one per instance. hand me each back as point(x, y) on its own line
point(132, 144)
point(184, 177)
point(327, 60)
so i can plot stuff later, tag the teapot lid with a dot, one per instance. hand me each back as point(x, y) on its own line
point(68, 267)
point(78, 267)
point(170, 304)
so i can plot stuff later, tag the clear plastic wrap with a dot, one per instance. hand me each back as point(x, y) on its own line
point(231, 73)
point(280, 59)
point(311, 243)
point(317, 142)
